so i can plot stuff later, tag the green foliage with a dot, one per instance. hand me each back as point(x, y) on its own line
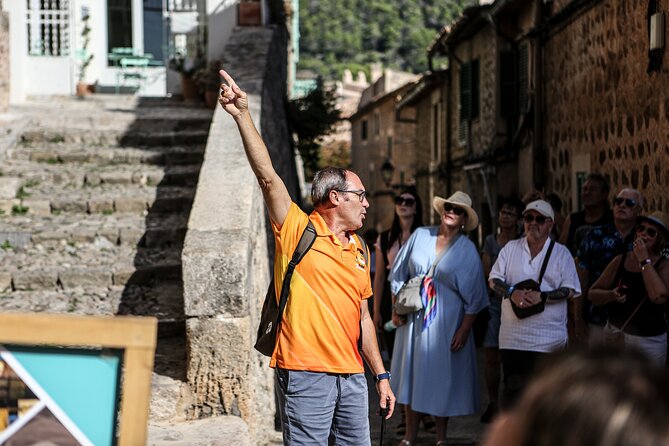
point(340, 34)
point(312, 117)
point(19, 209)
point(6, 245)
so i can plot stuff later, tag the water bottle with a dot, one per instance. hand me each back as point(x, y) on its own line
point(389, 326)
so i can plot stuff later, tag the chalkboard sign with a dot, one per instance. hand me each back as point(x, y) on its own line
point(75, 380)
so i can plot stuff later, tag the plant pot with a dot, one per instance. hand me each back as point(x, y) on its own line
point(188, 88)
point(249, 13)
point(83, 89)
point(211, 98)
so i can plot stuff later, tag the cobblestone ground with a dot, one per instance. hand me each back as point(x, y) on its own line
point(94, 204)
point(462, 431)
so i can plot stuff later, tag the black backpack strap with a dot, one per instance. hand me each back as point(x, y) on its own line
point(305, 243)
point(546, 259)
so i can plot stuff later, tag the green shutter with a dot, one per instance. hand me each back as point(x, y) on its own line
point(465, 91)
point(508, 76)
point(474, 106)
point(523, 76)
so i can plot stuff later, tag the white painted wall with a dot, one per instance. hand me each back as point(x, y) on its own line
point(221, 20)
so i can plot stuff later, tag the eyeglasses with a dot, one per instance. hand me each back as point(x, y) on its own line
point(448, 207)
point(650, 232)
point(402, 201)
point(360, 193)
point(629, 202)
point(540, 219)
point(508, 214)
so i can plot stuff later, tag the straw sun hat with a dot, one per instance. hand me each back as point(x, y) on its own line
point(462, 200)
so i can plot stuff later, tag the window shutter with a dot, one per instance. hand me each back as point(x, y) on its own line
point(509, 104)
point(474, 76)
point(523, 76)
point(465, 91)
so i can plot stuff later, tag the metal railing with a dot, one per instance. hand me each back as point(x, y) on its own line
point(48, 24)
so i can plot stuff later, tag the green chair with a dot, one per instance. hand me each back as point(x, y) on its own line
point(132, 68)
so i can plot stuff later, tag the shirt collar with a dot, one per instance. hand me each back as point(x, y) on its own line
point(322, 230)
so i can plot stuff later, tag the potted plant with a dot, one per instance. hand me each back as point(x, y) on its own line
point(208, 82)
point(187, 67)
point(84, 56)
point(249, 13)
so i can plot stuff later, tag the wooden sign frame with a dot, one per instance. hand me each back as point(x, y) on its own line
point(136, 336)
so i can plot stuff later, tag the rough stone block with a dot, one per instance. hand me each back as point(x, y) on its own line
point(9, 187)
point(116, 177)
point(220, 353)
point(43, 156)
point(5, 282)
point(38, 279)
point(67, 205)
point(74, 157)
point(85, 277)
point(92, 179)
point(123, 274)
point(83, 235)
point(130, 236)
point(130, 205)
point(216, 270)
point(111, 234)
point(7, 205)
point(100, 205)
point(40, 208)
point(214, 431)
point(15, 239)
point(50, 238)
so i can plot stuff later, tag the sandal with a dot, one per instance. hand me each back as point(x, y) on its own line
point(441, 443)
point(405, 443)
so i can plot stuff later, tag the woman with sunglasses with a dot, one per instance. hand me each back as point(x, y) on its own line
point(434, 360)
point(407, 217)
point(635, 286)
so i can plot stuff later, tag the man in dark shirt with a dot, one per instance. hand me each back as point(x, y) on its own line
point(596, 212)
point(600, 246)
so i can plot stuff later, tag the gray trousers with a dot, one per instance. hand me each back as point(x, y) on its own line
point(323, 408)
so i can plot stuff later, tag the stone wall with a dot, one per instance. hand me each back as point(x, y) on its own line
point(602, 106)
point(225, 257)
point(4, 60)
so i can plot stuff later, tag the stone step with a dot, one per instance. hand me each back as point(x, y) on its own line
point(30, 175)
point(164, 138)
point(53, 231)
point(104, 198)
point(163, 301)
point(226, 430)
point(78, 153)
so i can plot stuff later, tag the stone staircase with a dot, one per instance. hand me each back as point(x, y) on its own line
point(94, 204)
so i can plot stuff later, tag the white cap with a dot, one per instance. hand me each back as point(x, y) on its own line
point(542, 207)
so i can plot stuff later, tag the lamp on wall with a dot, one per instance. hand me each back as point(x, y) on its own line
point(387, 170)
point(656, 31)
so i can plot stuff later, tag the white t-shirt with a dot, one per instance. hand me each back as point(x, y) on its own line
point(546, 331)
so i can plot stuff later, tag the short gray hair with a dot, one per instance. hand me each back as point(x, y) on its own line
point(633, 191)
point(326, 180)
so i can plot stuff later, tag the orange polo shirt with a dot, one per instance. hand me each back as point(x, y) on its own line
point(321, 322)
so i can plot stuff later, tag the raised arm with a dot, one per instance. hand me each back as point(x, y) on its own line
point(235, 102)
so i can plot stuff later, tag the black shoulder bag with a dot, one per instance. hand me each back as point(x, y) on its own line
point(272, 312)
point(532, 285)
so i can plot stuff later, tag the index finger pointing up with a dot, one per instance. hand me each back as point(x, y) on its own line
point(229, 80)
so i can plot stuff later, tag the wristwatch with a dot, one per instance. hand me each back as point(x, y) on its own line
point(509, 291)
point(384, 375)
point(645, 262)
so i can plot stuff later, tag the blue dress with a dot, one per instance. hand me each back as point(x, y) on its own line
point(427, 375)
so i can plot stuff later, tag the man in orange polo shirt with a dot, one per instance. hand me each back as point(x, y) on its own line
point(320, 377)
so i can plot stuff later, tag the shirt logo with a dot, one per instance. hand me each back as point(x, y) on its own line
point(360, 261)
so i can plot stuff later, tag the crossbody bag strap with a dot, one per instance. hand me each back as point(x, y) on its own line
point(306, 241)
point(546, 259)
point(622, 262)
point(441, 255)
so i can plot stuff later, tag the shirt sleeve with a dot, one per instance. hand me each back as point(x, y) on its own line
point(568, 267)
point(498, 270)
point(400, 271)
point(471, 285)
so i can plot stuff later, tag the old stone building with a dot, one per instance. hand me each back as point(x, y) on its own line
point(4, 59)
point(607, 101)
point(378, 139)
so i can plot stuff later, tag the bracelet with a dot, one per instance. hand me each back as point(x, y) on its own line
point(645, 262)
point(645, 265)
point(384, 375)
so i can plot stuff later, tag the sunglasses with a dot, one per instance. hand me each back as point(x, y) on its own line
point(401, 201)
point(540, 219)
point(629, 202)
point(448, 207)
point(650, 232)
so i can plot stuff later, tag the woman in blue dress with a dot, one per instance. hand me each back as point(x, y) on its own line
point(434, 360)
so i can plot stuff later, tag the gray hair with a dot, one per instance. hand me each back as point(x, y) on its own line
point(633, 191)
point(326, 180)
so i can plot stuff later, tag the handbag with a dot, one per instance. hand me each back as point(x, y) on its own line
point(408, 299)
point(532, 285)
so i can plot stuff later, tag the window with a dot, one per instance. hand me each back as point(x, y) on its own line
point(514, 81)
point(469, 90)
point(377, 124)
point(119, 24)
point(436, 132)
point(48, 27)
point(390, 146)
point(363, 130)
